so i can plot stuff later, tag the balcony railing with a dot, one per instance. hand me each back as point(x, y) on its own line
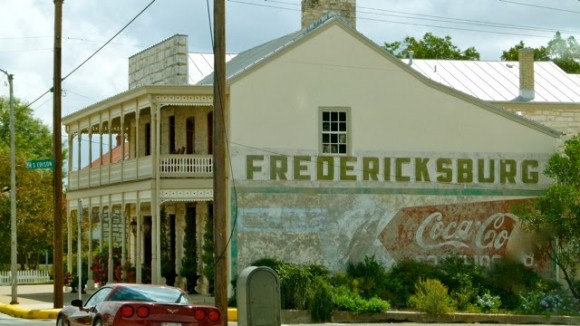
point(170, 166)
point(179, 165)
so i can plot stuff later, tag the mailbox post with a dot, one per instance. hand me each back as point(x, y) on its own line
point(258, 297)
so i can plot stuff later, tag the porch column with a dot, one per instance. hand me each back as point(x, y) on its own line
point(90, 135)
point(122, 144)
point(101, 151)
point(123, 232)
point(79, 138)
point(137, 138)
point(90, 282)
point(69, 163)
point(155, 203)
point(110, 231)
point(102, 225)
point(69, 241)
point(110, 126)
point(138, 242)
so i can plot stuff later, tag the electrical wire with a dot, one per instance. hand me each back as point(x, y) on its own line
point(538, 6)
point(97, 51)
point(414, 16)
point(110, 40)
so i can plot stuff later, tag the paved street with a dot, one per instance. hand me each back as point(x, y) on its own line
point(7, 320)
point(40, 297)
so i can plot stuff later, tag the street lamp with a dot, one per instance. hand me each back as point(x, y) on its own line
point(13, 255)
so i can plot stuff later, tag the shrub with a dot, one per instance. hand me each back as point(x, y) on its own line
point(549, 302)
point(321, 300)
point(401, 279)
point(347, 300)
point(369, 277)
point(431, 297)
point(122, 271)
point(273, 263)
point(488, 302)
point(294, 284)
point(464, 293)
point(509, 279)
point(189, 260)
point(295, 281)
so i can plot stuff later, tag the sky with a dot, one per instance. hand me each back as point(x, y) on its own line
point(27, 35)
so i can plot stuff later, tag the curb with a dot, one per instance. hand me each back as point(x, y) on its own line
point(28, 313)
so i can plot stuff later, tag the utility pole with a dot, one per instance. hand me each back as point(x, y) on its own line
point(219, 162)
point(57, 153)
point(13, 233)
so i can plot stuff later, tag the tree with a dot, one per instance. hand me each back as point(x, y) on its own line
point(555, 217)
point(33, 138)
point(33, 187)
point(540, 54)
point(431, 47)
point(563, 52)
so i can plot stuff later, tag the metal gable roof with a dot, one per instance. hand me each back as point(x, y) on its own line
point(498, 81)
point(201, 65)
point(249, 58)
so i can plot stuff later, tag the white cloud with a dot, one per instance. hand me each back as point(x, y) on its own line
point(26, 34)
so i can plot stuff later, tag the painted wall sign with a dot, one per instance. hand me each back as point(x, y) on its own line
point(480, 232)
point(461, 170)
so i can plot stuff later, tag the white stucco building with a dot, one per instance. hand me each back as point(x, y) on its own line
point(337, 149)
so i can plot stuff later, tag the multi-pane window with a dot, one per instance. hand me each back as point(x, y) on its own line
point(334, 131)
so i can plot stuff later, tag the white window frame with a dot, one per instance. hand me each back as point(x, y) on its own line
point(333, 135)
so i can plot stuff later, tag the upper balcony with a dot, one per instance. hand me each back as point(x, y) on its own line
point(142, 168)
point(147, 133)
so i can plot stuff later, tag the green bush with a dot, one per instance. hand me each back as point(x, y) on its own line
point(368, 277)
point(401, 279)
point(488, 302)
point(347, 300)
point(431, 297)
point(549, 302)
point(509, 279)
point(321, 300)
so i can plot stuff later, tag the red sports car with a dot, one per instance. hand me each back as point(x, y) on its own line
point(138, 304)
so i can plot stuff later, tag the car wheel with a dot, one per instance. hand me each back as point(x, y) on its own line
point(98, 322)
point(60, 321)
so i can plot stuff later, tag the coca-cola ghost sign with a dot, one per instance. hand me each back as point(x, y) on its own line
point(480, 232)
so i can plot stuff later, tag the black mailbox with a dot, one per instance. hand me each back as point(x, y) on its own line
point(258, 296)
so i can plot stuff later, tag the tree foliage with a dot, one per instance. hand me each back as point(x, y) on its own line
point(431, 47)
point(555, 217)
point(563, 52)
point(33, 138)
point(33, 187)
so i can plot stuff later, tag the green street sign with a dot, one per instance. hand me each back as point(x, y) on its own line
point(40, 164)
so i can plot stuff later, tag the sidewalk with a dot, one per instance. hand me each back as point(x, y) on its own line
point(35, 301)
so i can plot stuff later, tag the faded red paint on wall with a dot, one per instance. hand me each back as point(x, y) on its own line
point(480, 232)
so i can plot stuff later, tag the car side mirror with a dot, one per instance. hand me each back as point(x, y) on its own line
point(77, 303)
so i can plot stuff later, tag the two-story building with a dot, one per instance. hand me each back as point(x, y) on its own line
point(336, 151)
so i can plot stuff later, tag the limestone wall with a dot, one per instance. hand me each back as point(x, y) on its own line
point(165, 63)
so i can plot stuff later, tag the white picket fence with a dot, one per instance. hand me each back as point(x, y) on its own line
point(25, 277)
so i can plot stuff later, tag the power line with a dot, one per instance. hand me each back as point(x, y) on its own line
point(109, 41)
point(98, 50)
point(538, 6)
point(414, 16)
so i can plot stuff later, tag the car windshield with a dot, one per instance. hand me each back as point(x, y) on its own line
point(150, 293)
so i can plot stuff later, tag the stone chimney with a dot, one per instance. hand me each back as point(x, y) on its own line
point(165, 63)
point(526, 58)
point(313, 10)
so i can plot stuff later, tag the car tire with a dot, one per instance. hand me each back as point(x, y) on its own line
point(60, 321)
point(98, 322)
